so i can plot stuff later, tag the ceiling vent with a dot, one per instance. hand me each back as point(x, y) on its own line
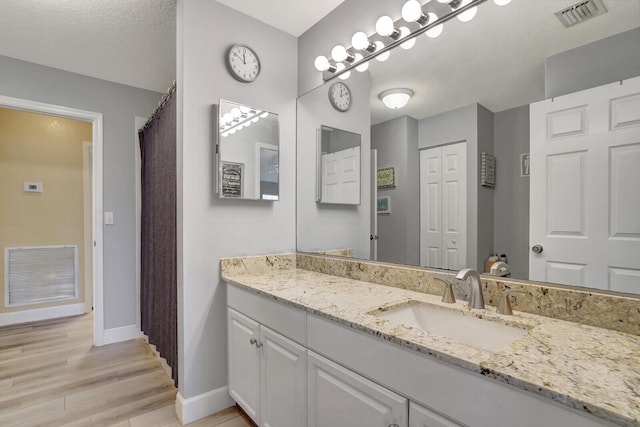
point(580, 12)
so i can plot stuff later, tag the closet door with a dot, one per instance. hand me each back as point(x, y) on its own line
point(443, 207)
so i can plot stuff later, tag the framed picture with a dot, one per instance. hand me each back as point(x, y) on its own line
point(386, 178)
point(384, 205)
point(232, 178)
point(525, 164)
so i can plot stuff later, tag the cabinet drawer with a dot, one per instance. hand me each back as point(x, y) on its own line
point(288, 321)
point(423, 417)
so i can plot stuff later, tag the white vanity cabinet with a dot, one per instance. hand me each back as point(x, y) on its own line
point(423, 417)
point(244, 362)
point(339, 397)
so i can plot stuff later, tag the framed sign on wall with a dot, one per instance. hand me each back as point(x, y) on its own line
point(386, 178)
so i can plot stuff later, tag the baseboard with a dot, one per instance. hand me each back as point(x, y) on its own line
point(36, 314)
point(122, 333)
point(202, 405)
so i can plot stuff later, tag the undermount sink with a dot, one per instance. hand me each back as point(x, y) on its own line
point(452, 324)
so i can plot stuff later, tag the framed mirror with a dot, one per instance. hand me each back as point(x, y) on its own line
point(338, 166)
point(247, 148)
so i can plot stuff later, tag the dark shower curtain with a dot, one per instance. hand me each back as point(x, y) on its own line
point(158, 277)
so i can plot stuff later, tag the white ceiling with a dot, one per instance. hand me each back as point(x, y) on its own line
point(132, 42)
point(497, 59)
point(291, 16)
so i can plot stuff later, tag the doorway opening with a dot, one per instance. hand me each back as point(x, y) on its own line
point(88, 241)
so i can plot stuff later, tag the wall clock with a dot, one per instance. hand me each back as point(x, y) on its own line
point(340, 96)
point(243, 63)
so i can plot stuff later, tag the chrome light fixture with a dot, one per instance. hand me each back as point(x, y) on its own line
point(395, 98)
point(416, 19)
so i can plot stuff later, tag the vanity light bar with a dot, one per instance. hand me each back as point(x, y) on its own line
point(335, 71)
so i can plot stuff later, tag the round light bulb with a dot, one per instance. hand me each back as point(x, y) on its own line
point(444, 1)
point(383, 57)
point(264, 115)
point(360, 41)
point(384, 26)
point(232, 131)
point(362, 67)
point(411, 11)
point(339, 53)
point(247, 123)
point(244, 109)
point(467, 15)
point(340, 67)
point(502, 2)
point(227, 117)
point(437, 30)
point(255, 119)
point(321, 63)
point(404, 32)
point(235, 112)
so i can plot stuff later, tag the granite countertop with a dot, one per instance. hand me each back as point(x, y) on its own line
point(588, 368)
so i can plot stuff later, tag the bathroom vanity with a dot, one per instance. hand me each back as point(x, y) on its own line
point(307, 348)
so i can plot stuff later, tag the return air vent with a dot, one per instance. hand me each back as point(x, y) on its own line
point(580, 12)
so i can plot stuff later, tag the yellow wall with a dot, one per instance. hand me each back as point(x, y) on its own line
point(46, 149)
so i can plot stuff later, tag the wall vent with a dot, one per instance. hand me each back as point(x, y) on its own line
point(580, 12)
point(40, 274)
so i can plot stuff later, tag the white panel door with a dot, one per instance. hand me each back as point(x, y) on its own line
point(341, 176)
point(423, 417)
point(339, 397)
point(443, 207)
point(283, 381)
point(585, 202)
point(244, 363)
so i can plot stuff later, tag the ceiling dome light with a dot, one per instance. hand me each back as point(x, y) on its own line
point(384, 26)
point(362, 67)
point(395, 98)
point(404, 32)
point(360, 41)
point(321, 63)
point(437, 30)
point(412, 11)
point(383, 57)
point(339, 53)
point(502, 2)
point(467, 15)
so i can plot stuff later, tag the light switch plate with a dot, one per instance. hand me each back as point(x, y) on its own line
point(108, 218)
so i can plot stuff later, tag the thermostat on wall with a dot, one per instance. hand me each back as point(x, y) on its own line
point(32, 187)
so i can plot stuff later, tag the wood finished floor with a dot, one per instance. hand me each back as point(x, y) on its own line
point(51, 375)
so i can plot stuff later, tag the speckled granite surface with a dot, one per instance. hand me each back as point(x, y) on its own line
point(584, 367)
point(574, 305)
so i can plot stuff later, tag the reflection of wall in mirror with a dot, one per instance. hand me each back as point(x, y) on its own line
point(323, 226)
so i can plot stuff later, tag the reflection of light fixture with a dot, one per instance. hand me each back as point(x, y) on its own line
point(395, 98)
point(422, 19)
point(230, 124)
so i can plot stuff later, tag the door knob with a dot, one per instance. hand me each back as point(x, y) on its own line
point(537, 249)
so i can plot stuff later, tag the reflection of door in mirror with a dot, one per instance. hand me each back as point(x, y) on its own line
point(339, 166)
point(267, 173)
point(585, 204)
point(443, 206)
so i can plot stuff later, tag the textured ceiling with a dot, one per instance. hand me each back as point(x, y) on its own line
point(132, 42)
point(291, 16)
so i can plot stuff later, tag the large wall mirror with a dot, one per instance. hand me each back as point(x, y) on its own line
point(471, 105)
point(248, 152)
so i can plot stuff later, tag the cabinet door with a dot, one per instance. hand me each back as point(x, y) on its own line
point(339, 397)
point(244, 363)
point(283, 381)
point(423, 417)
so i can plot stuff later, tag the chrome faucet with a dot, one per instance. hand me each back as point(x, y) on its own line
point(476, 300)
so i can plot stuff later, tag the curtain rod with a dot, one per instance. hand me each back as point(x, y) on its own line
point(161, 104)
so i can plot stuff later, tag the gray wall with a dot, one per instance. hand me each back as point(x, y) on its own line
point(591, 65)
point(210, 228)
point(327, 226)
point(398, 232)
point(119, 105)
point(511, 198)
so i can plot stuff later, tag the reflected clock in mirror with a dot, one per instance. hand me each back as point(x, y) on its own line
point(338, 166)
point(247, 149)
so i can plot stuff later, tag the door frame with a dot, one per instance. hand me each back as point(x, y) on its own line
point(87, 201)
point(96, 119)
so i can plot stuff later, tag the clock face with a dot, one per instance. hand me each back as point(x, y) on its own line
point(243, 63)
point(340, 96)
